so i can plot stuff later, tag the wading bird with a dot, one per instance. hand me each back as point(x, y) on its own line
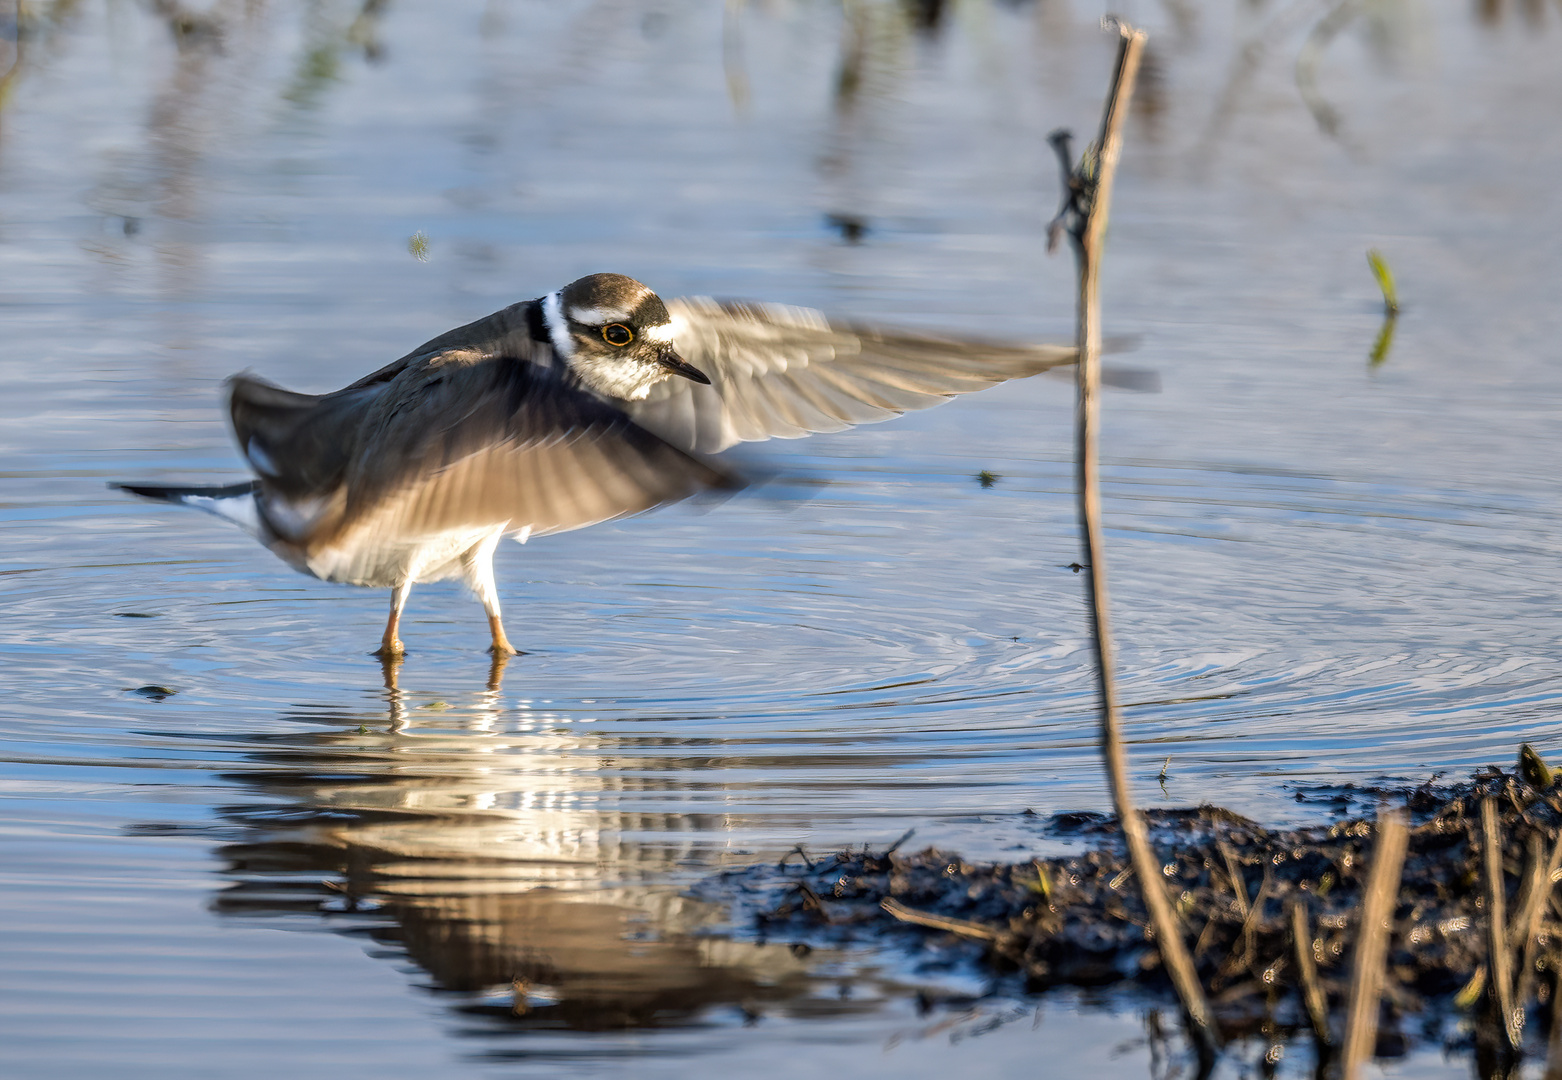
point(590, 403)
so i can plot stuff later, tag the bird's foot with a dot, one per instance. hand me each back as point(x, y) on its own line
point(501, 643)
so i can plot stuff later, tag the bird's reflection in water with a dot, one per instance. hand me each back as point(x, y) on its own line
point(502, 855)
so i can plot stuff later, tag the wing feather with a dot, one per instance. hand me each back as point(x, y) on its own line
point(468, 442)
point(783, 372)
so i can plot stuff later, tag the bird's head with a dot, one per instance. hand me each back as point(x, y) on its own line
point(616, 336)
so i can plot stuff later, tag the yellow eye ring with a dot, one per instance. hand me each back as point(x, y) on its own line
point(617, 334)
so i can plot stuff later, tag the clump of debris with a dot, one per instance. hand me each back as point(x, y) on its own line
point(1270, 916)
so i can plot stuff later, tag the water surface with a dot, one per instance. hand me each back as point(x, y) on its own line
point(1322, 568)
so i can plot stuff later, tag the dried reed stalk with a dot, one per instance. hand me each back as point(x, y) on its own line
point(1234, 872)
point(1307, 974)
point(1498, 958)
point(1528, 922)
point(1377, 909)
point(962, 927)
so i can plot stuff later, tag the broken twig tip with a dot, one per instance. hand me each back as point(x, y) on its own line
point(1120, 25)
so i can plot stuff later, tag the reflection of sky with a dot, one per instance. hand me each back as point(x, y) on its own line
point(1316, 566)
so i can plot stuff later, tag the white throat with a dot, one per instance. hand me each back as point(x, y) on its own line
point(558, 328)
point(616, 376)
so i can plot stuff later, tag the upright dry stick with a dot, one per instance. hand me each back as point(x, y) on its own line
point(1531, 895)
point(1498, 959)
point(1234, 872)
point(1528, 926)
point(1377, 908)
point(1089, 200)
point(1307, 973)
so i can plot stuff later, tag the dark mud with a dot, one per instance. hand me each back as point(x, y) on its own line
point(1241, 891)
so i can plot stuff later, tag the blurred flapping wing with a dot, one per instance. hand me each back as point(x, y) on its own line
point(463, 443)
point(469, 441)
point(784, 372)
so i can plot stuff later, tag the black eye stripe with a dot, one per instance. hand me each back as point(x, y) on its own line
point(617, 334)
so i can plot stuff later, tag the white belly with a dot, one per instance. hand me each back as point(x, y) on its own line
point(385, 562)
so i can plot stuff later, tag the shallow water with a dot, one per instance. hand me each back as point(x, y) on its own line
point(1322, 569)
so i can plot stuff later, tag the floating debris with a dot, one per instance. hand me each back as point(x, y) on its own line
point(1385, 279)
point(152, 692)
point(851, 227)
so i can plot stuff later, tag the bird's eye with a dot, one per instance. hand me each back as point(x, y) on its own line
point(617, 334)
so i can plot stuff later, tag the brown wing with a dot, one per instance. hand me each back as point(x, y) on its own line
point(464, 441)
point(300, 444)
point(512, 331)
point(783, 372)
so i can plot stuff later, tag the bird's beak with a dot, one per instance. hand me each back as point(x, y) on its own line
point(679, 366)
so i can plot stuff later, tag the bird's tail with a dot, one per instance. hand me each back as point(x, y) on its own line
point(179, 493)
point(231, 502)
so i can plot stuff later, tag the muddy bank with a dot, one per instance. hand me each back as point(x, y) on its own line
point(1270, 915)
